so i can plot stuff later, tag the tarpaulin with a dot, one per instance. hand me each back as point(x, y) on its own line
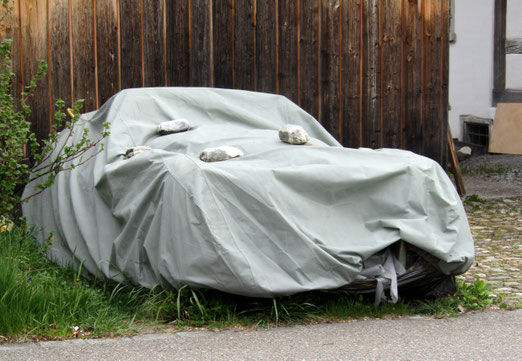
point(278, 220)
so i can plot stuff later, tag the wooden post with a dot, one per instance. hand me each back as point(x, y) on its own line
point(455, 167)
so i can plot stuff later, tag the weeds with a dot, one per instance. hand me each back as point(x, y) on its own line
point(469, 297)
point(216, 309)
point(472, 198)
point(473, 201)
point(322, 305)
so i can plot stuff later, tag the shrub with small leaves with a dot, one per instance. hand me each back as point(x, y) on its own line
point(23, 158)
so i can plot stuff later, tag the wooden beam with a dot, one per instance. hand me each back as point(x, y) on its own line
point(455, 167)
point(507, 96)
point(499, 60)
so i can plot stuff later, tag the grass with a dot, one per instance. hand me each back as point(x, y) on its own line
point(472, 198)
point(469, 297)
point(39, 300)
point(217, 309)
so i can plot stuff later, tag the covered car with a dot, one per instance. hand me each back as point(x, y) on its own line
point(277, 220)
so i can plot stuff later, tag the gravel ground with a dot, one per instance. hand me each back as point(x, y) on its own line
point(493, 175)
point(496, 222)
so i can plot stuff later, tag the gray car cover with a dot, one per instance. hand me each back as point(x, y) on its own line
point(278, 220)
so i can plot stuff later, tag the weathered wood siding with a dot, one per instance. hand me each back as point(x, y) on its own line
point(373, 72)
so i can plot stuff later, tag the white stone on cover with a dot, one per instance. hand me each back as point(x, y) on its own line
point(293, 134)
point(220, 153)
point(173, 126)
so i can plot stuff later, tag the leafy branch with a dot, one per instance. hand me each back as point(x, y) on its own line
point(68, 156)
point(47, 157)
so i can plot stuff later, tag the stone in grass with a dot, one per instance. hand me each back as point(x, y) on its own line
point(220, 153)
point(131, 152)
point(293, 134)
point(173, 126)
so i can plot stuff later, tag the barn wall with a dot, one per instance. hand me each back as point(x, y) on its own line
point(373, 72)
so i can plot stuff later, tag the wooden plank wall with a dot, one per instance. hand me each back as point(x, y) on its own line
point(373, 72)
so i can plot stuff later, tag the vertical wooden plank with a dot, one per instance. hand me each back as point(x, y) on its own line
point(12, 31)
point(83, 53)
point(330, 59)
point(200, 30)
point(244, 49)
point(107, 46)
point(371, 74)
point(265, 46)
point(412, 138)
point(223, 24)
point(309, 17)
point(153, 59)
point(391, 73)
point(431, 124)
point(288, 52)
point(60, 51)
point(34, 49)
point(351, 74)
point(95, 55)
point(130, 40)
point(444, 97)
point(178, 43)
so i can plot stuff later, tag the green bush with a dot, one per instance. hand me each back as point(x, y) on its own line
point(23, 158)
point(15, 132)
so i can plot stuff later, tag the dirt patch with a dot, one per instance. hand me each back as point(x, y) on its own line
point(493, 175)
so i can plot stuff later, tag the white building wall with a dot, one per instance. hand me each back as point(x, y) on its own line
point(471, 62)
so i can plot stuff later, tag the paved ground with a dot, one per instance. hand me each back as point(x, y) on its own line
point(496, 225)
point(486, 336)
point(496, 222)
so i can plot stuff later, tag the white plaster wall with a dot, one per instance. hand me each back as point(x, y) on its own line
point(514, 71)
point(513, 21)
point(471, 62)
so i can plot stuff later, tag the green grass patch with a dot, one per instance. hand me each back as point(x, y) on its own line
point(216, 309)
point(469, 297)
point(41, 300)
point(472, 198)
